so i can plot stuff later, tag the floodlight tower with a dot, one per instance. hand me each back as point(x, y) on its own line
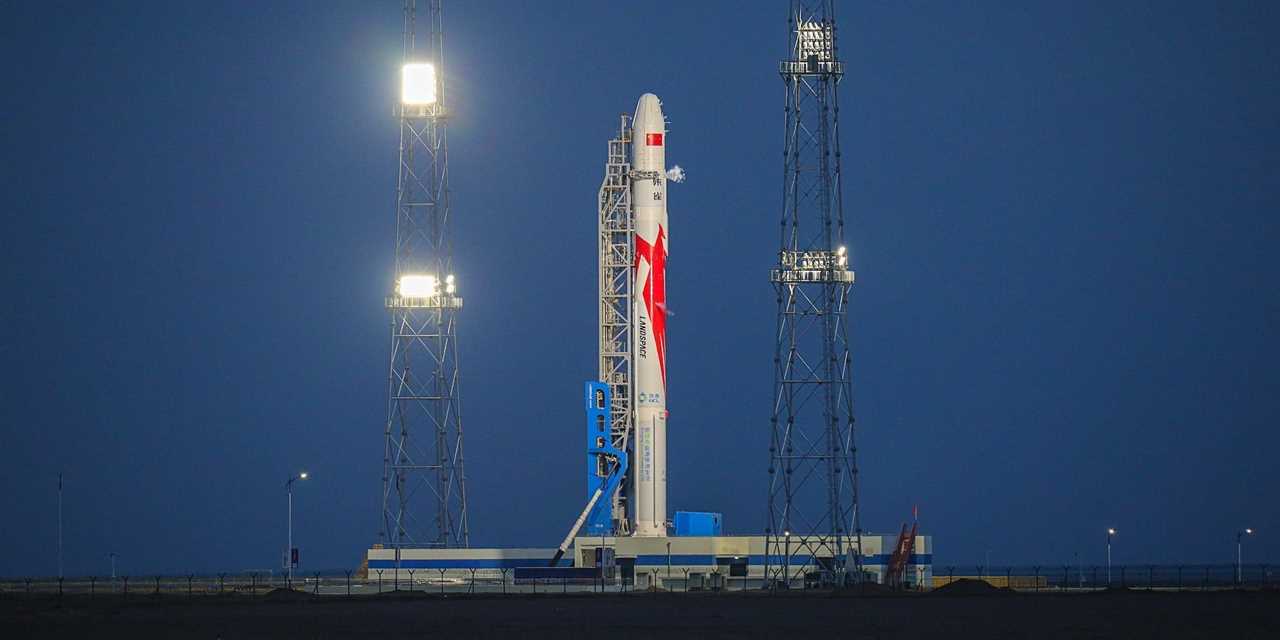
point(424, 497)
point(813, 476)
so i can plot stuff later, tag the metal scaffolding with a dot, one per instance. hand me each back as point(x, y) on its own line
point(424, 498)
point(813, 531)
point(617, 281)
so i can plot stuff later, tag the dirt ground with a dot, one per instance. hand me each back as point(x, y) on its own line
point(751, 615)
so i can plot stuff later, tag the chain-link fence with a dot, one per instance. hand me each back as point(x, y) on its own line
point(1027, 579)
point(1095, 577)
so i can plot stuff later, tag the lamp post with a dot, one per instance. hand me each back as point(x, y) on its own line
point(1110, 532)
point(786, 558)
point(288, 554)
point(1239, 555)
point(668, 562)
point(60, 526)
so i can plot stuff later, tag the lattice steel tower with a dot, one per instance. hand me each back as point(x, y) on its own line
point(617, 282)
point(813, 523)
point(424, 497)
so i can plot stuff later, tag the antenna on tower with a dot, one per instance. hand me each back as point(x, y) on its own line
point(424, 497)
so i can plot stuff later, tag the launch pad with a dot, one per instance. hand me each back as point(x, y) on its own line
point(675, 563)
point(623, 534)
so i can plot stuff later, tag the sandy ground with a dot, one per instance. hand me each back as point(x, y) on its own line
point(751, 615)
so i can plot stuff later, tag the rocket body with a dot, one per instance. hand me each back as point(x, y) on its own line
point(649, 319)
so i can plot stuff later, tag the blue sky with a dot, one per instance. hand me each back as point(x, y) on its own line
point(1062, 217)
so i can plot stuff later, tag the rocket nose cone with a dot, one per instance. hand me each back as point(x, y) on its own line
point(648, 115)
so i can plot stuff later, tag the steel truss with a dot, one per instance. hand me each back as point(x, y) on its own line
point(813, 531)
point(424, 497)
point(617, 281)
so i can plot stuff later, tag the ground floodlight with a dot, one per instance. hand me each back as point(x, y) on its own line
point(416, 286)
point(303, 475)
point(418, 84)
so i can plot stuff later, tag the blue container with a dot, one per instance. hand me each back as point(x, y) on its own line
point(698, 523)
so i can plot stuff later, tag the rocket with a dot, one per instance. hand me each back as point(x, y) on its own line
point(648, 489)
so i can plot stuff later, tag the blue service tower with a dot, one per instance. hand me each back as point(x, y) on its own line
point(606, 464)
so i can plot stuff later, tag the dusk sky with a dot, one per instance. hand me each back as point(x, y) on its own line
point(1063, 219)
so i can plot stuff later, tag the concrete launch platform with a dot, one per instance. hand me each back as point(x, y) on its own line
point(728, 562)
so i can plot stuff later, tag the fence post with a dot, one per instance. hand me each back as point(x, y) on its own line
point(317, 589)
point(1008, 577)
point(253, 583)
point(951, 575)
point(410, 580)
point(1151, 572)
point(379, 580)
point(157, 585)
point(472, 588)
point(126, 587)
point(564, 585)
point(1094, 580)
point(441, 581)
point(1205, 584)
point(1179, 577)
point(222, 579)
point(59, 587)
point(1037, 578)
point(190, 577)
point(93, 580)
point(1123, 585)
point(504, 582)
point(1065, 578)
point(348, 582)
point(28, 581)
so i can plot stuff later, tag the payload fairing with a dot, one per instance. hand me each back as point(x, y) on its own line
point(648, 488)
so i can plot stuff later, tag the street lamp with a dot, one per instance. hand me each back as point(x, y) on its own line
point(1110, 532)
point(288, 559)
point(1239, 543)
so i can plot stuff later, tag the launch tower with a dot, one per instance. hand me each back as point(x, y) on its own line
point(617, 282)
point(424, 497)
point(813, 525)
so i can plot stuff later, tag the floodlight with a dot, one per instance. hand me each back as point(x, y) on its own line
point(418, 84)
point(840, 251)
point(1111, 531)
point(448, 279)
point(1249, 531)
point(417, 286)
point(303, 475)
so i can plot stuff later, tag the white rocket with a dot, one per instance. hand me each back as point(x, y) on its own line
point(648, 488)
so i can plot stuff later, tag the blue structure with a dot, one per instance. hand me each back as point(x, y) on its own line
point(698, 523)
point(606, 464)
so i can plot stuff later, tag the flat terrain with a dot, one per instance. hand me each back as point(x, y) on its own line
point(700, 615)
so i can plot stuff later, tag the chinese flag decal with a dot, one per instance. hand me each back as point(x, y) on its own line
point(653, 139)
